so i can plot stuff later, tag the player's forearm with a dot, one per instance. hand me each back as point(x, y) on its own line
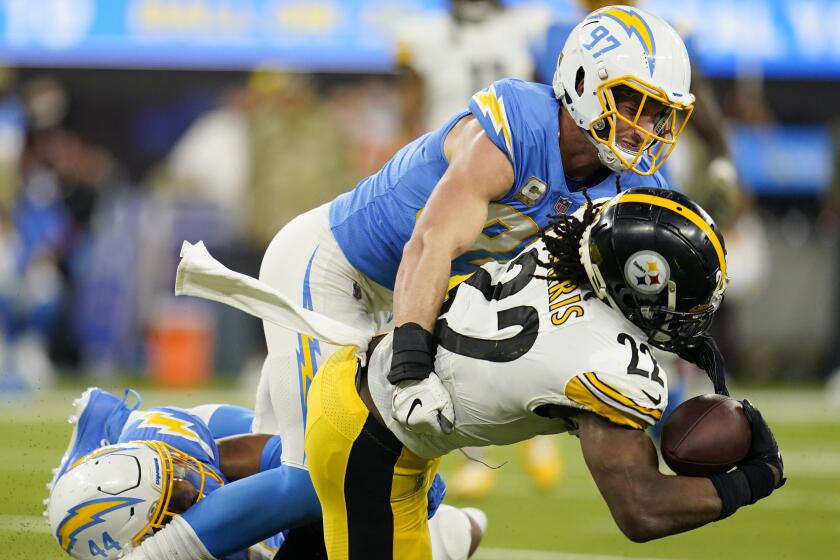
point(645, 503)
point(666, 505)
point(421, 282)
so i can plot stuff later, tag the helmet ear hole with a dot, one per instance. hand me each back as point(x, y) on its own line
point(580, 76)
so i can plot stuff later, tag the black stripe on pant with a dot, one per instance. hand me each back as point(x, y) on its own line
point(367, 492)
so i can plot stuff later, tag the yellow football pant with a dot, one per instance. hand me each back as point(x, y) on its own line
point(372, 490)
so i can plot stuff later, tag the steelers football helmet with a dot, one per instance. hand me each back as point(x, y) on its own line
point(113, 498)
point(624, 51)
point(657, 258)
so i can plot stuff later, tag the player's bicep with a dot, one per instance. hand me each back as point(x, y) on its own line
point(478, 173)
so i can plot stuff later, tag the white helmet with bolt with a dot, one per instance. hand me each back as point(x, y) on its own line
point(113, 498)
point(620, 46)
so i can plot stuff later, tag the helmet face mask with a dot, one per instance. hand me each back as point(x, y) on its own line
point(657, 141)
point(657, 258)
point(667, 329)
point(118, 495)
point(621, 48)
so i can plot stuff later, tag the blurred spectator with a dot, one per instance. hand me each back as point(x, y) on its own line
point(211, 161)
point(12, 138)
point(830, 217)
point(270, 150)
point(368, 111)
point(445, 58)
point(63, 177)
point(300, 158)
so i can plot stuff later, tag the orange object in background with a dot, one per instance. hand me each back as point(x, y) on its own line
point(180, 346)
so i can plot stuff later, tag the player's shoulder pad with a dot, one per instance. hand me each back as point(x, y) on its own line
point(492, 107)
point(625, 385)
point(513, 113)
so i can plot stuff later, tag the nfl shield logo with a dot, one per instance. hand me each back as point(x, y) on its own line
point(562, 205)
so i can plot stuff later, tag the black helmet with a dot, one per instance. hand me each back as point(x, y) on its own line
point(658, 259)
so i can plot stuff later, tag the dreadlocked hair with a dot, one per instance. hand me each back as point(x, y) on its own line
point(562, 238)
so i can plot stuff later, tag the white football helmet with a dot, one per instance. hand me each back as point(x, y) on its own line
point(624, 46)
point(113, 498)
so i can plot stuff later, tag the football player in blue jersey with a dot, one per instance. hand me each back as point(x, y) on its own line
point(478, 188)
point(128, 473)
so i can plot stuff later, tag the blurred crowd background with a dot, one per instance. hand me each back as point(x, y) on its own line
point(128, 126)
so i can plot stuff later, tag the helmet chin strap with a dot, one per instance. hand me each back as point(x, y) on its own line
point(661, 335)
point(606, 155)
point(609, 159)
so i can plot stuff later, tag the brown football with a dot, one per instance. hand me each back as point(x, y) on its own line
point(706, 435)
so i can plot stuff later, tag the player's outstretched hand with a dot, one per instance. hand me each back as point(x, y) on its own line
point(423, 406)
point(764, 447)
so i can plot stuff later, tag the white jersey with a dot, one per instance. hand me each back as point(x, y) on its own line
point(456, 60)
point(510, 342)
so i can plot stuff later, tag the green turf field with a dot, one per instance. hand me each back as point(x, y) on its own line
point(571, 523)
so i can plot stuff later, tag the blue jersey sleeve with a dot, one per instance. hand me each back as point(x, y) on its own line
point(230, 420)
point(270, 458)
point(254, 508)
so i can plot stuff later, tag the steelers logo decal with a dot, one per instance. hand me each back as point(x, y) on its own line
point(647, 272)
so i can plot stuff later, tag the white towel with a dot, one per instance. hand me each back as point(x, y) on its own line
point(200, 275)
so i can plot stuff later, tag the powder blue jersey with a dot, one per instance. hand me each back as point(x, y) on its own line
point(374, 221)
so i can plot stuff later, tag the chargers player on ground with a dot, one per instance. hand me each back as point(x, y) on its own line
point(558, 340)
point(128, 473)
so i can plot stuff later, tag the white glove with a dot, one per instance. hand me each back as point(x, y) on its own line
point(424, 407)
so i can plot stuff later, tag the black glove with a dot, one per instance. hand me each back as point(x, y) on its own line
point(754, 478)
point(764, 447)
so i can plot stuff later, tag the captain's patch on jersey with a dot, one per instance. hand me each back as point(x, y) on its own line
point(532, 191)
point(493, 107)
point(647, 272)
